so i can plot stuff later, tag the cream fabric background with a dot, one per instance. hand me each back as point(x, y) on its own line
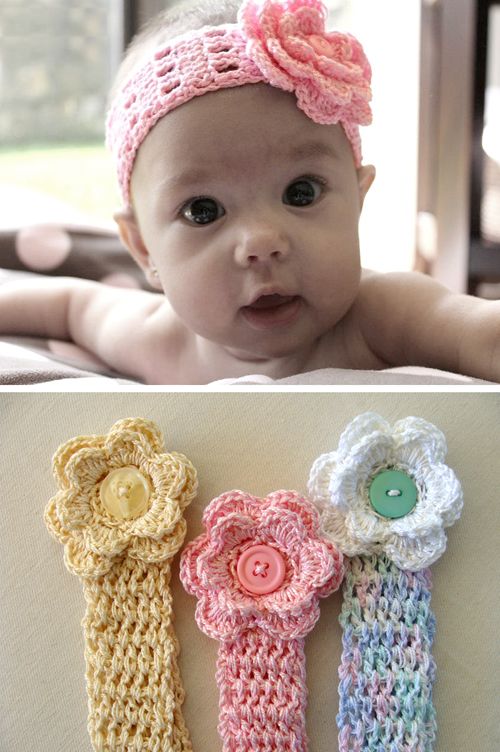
point(259, 443)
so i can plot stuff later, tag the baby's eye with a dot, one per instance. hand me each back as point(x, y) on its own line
point(202, 211)
point(303, 192)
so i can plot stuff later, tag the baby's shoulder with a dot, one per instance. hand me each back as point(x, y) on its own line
point(164, 341)
point(136, 332)
point(377, 314)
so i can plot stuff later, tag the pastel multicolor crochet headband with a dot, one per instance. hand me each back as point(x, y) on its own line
point(119, 514)
point(385, 497)
point(283, 44)
point(258, 573)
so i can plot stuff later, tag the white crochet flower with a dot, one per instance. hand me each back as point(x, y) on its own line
point(339, 485)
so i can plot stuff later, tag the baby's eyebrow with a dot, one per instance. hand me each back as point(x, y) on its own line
point(311, 149)
point(306, 150)
point(187, 178)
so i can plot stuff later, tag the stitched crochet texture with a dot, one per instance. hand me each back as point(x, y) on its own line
point(387, 669)
point(133, 683)
point(283, 44)
point(261, 663)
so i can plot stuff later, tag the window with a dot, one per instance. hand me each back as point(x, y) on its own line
point(57, 60)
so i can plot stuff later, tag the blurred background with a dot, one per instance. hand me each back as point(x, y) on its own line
point(435, 138)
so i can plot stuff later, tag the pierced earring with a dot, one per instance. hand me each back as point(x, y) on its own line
point(154, 272)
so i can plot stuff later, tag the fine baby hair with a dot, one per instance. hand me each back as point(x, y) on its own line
point(281, 44)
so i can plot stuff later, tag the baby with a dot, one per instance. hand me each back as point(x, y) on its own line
point(236, 139)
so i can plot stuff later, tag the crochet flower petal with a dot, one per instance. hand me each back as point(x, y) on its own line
point(444, 493)
point(68, 450)
point(335, 528)
point(74, 510)
point(215, 620)
point(178, 476)
point(319, 566)
point(134, 435)
point(420, 522)
point(366, 528)
point(416, 553)
point(151, 549)
point(231, 502)
point(410, 431)
point(231, 531)
point(52, 520)
point(282, 529)
point(84, 562)
point(289, 625)
point(359, 428)
point(162, 516)
point(294, 502)
point(318, 486)
point(108, 540)
point(334, 582)
point(87, 467)
point(189, 564)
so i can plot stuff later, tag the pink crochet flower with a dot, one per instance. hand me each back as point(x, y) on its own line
point(236, 521)
point(328, 71)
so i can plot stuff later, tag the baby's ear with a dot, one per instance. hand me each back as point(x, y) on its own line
point(131, 237)
point(366, 176)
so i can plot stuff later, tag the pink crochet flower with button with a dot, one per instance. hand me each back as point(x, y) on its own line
point(328, 71)
point(239, 527)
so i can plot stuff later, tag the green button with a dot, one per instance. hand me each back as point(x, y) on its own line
point(393, 493)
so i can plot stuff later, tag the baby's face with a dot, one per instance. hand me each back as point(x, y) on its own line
point(249, 212)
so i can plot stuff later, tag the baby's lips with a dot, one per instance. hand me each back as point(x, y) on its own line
point(279, 311)
point(273, 300)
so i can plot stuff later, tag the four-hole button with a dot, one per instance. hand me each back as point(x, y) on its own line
point(261, 569)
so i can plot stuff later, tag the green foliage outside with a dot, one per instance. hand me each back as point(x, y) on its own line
point(80, 175)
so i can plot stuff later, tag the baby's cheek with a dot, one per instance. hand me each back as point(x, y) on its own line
point(198, 302)
point(337, 279)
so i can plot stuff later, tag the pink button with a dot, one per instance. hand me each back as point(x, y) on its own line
point(261, 569)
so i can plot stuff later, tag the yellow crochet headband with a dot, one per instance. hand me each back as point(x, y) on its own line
point(119, 514)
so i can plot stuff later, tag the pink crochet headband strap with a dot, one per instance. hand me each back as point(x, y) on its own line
point(283, 44)
point(258, 573)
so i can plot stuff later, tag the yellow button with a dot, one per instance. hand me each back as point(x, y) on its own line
point(125, 493)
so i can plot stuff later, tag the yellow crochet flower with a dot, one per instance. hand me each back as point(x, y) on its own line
point(119, 494)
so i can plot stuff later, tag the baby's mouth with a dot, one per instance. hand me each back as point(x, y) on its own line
point(268, 311)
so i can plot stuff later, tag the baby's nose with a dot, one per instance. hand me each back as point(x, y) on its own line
point(261, 245)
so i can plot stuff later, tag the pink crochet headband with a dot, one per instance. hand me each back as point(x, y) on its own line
point(258, 572)
point(283, 44)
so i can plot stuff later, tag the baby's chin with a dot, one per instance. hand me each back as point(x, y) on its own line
point(277, 345)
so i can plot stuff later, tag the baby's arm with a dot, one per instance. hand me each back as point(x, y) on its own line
point(112, 323)
point(410, 319)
